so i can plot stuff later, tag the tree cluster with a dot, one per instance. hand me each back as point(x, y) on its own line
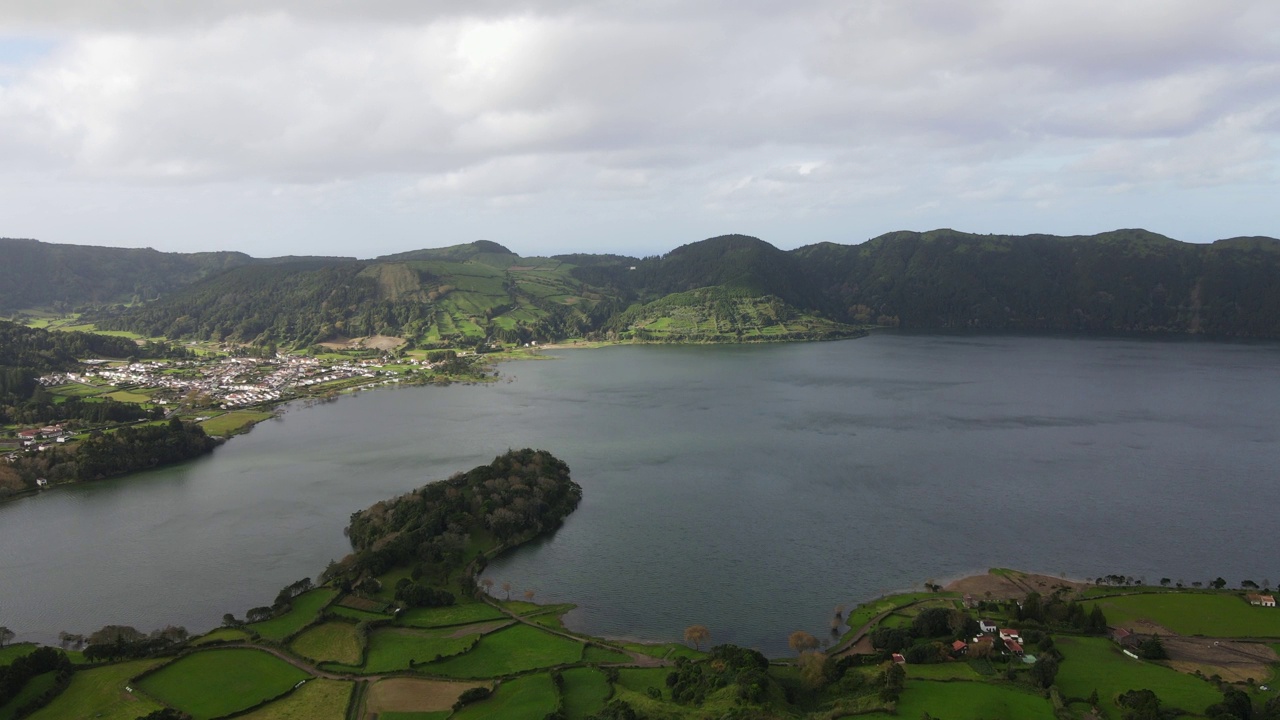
point(690, 682)
point(522, 493)
point(15, 676)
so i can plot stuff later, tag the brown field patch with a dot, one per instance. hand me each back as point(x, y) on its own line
point(375, 342)
point(414, 695)
point(1011, 586)
point(359, 603)
point(1232, 661)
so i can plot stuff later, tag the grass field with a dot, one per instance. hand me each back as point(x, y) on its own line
point(511, 650)
point(79, 390)
point(34, 688)
point(1095, 664)
point(585, 692)
point(969, 701)
point(213, 683)
point(414, 695)
point(233, 422)
point(306, 607)
point(595, 654)
point(394, 648)
point(452, 615)
point(128, 396)
point(99, 693)
point(221, 635)
point(330, 642)
point(9, 653)
point(319, 699)
point(1206, 614)
point(355, 614)
point(641, 679)
point(531, 696)
point(943, 671)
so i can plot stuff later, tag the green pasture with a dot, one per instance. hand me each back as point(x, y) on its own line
point(9, 653)
point(597, 654)
point(451, 615)
point(319, 699)
point(1208, 614)
point(306, 608)
point(100, 694)
point(233, 422)
point(34, 688)
point(393, 649)
point(969, 701)
point(330, 642)
point(76, 389)
point(129, 396)
point(512, 650)
point(943, 671)
point(354, 614)
point(1096, 664)
point(531, 696)
point(221, 635)
point(585, 692)
point(213, 683)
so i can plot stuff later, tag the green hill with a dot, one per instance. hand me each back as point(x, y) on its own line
point(742, 288)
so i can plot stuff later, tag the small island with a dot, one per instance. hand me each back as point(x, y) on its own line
point(406, 626)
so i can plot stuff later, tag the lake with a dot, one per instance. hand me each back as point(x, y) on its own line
point(749, 489)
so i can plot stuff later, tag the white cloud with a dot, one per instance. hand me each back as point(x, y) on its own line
point(818, 108)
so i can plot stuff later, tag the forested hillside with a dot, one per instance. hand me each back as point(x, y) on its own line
point(742, 289)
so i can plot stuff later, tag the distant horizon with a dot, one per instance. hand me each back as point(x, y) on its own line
point(623, 252)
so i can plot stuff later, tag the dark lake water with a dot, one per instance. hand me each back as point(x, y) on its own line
point(749, 489)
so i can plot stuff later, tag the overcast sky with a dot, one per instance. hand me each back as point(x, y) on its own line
point(376, 126)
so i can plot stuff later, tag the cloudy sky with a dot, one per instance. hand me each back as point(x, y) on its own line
point(375, 126)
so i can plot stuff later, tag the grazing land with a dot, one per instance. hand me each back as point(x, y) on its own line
point(461, 614)
point(304, 611)
point(318, 699)
point(512, 650)
point(1194, 613)
point(414, 695)
point(586, 690)
point(99, 693)
point(213, 683)
point(330, 642)
point(531, 696)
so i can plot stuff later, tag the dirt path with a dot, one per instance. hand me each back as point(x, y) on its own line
point(844, 646)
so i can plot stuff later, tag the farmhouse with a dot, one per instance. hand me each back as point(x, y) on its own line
point(1261, 600)
point(899, 658)
point(1013, 647)
point(959, 647)
point(987, 626)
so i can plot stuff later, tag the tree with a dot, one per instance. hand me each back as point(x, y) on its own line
point(1164, 582)
point(1218, 583)
point(1152, 649)
point(1248, 585)
point(487, 583)
point(6, 635)
point(506, 586)
point(528, 595)
point(1097, 623)
point(1044, 671)
point(801, 642)
point(697, 634)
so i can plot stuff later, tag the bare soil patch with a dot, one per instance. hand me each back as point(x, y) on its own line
point(414, 695)
point(375, 342)
point(359, 603)
point(1011, 585)
point(1231, 660)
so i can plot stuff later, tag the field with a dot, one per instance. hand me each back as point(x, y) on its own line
point(452, 615)
point(969, 701)
point(332, 642)
point(79, 390)
point(354, 614)
point(1095, 664)
point(233, 422)
point(413, 695)
point(531, 696)
point(99, 693)
point(34, 688)
point(221, 635)
point(508, 651)
point(395, 648)
point(1211, 615)
point(306, 607)
point(585, 692)
point(128, 396)
point(597, 654)
point(213, 683)
point(317, 700)
point(9, 653)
